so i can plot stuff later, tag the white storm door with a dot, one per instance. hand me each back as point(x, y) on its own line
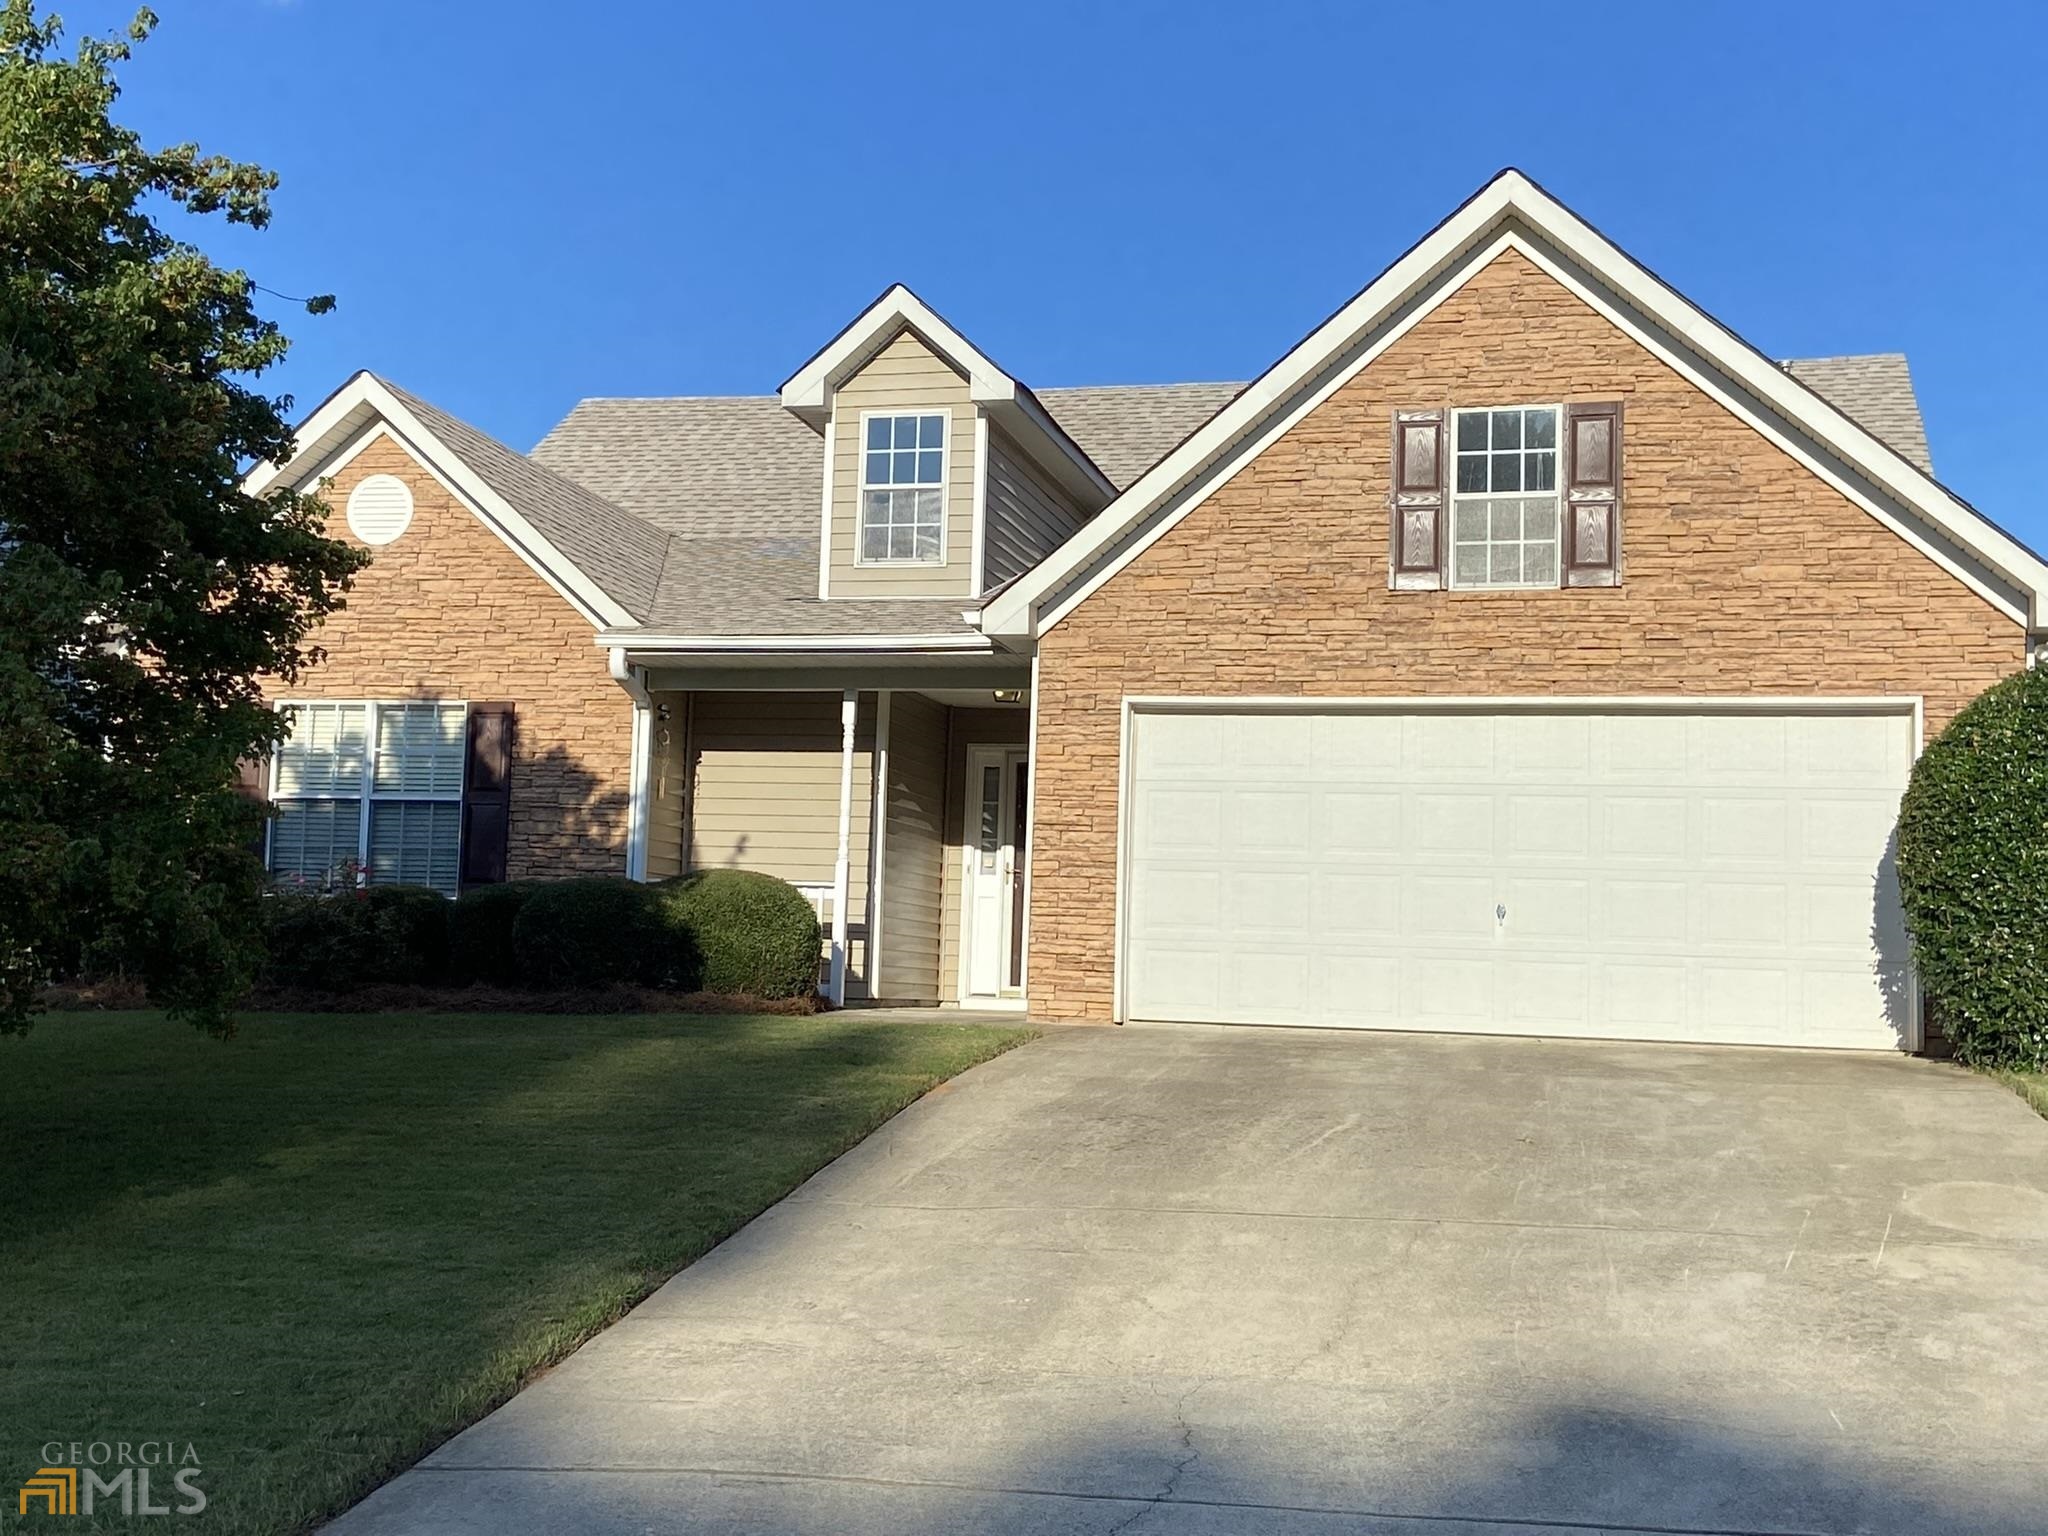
point(993, 917)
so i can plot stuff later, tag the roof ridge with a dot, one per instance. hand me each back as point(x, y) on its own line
point(1849, 357)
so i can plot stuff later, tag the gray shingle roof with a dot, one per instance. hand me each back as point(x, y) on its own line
point(622, 553)
point(1127, 428)
point(700, 514)
point(733, 480)
point(1875, 392)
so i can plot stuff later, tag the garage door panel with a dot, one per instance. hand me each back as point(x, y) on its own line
point(1706, 876)
point(1649, 828)
point(1747, 915)
point(1269, 978)
point(1542, 910)
point(1547, 748)
point(1448, 989)
point(1554, 996)
point(1355, 906)
point(1278, 901)
point(1750, 829)
point(1358, 822)
point(1358, 741)
point(1172, 821)
point(1448, 907)
point(1437, 746)
point(1553, 826)
point(1652, 913)
point(1280, 821)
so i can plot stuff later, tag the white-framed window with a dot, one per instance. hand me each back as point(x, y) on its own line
point(903, 488)
point(1504, 501)
point(370, 791)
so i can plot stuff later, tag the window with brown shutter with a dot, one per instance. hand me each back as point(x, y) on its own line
point(1415, 504)
point(1592, 495)
point(487, 794)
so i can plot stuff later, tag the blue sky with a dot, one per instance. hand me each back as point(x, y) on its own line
point(520, 204)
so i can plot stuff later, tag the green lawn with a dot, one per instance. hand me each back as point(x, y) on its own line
point(2031, 1086)
point(318, 1249)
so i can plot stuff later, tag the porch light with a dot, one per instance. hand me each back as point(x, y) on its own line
point(1009, 695)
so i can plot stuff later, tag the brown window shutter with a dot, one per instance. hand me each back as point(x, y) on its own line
point(1592, 480)
point(252, 782)
point(487, 794)
point(1415, 506)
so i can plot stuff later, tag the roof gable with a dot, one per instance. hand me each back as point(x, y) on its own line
point(605, 561)
point(808, 392)
point(1513, 212)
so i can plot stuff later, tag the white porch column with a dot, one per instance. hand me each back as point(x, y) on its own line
point(878, 841)
point(849, 708)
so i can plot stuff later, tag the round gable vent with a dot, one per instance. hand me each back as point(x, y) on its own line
point(379, 509)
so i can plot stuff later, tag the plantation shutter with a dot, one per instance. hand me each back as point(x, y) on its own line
point(1592, 519)
point(1416, 504)
point(487, 794)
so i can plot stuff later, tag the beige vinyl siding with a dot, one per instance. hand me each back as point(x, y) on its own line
point(765, 794)
point(667, 784)
point(904, 376)
point(970, 728)
point(913, 849)
point(1027, 519)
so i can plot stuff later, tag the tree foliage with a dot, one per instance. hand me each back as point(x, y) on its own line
point(1973, 874)
point(142, 593)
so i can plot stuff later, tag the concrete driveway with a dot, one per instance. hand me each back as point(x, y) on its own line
point(1232, 1280)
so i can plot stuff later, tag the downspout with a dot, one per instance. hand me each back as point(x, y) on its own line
point(638, 780)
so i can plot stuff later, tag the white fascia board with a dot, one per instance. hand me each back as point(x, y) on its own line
point(643, 642)
point(1217, 447)
point(810, 388)
point(1012, 611)
point(363, 398)
point(808, 391)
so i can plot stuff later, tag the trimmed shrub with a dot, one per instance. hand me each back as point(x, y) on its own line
point(740, 933)
point(1973, 874)
point(480, 945)
point(329, 943)
point(417, 917)
point(591, 932)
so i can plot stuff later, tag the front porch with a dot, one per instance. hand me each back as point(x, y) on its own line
point(903, 813)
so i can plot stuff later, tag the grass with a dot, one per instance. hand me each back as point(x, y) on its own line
point(2031, 1086)
point(318, 1249)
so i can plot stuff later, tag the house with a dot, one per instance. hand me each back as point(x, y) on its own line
point(1521, 652)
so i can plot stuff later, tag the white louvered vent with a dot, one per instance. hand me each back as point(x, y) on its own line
point(379, 509)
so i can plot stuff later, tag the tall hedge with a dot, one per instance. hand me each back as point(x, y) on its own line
point(750, 935)
point(1973, 874)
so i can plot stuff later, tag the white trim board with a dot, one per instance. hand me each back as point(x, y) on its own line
point(808, 392)
point(1513, 212)
point(352, 417)
point(1912, 706)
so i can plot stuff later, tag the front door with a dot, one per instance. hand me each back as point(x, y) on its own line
point(993, 917)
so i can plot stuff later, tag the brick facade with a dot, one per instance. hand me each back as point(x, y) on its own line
point(1744, 573)
point(448, 611)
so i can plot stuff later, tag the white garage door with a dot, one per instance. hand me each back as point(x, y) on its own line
point(1643, 874)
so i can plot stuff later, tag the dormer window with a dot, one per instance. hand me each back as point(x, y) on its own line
point(903, 489)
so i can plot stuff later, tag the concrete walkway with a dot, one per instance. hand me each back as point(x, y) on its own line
point(1230, 1281)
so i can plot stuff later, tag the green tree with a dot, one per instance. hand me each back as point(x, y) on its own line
point(1973, 874)
point(142, 594)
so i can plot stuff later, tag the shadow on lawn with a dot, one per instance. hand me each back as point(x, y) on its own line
point(103, 1109)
